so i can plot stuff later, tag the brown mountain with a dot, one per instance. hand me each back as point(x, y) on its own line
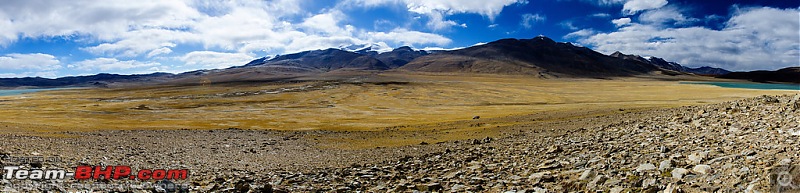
point(400, 56)
point(789, 75)
point(538, 56)
point(323, 61)
point(672, 66)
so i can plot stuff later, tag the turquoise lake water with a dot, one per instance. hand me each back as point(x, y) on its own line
point(23, 91)
point(750, 85)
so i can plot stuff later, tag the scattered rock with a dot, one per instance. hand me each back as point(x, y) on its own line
point(554, 149)
point(678, 173)
point(664, 165)
point(702, 169)
point(645, 167)
point(579, 155)
point(586, 175)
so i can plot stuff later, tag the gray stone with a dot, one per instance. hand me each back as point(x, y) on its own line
point(678, 173)
point(645, 167)
point(664, 165)
point(586, 175)
point(457, 188)
point(702, 169)
point(695, 159)
point(785, 162)
point(670, 189)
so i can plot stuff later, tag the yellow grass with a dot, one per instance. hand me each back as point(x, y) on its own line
point(426, 100)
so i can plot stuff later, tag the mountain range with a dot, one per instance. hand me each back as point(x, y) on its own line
point(540, 56)
point(789, 74)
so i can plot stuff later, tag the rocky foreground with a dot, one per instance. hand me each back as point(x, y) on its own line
point(748, 145)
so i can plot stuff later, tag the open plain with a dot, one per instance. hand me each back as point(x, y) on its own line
point(415, 132)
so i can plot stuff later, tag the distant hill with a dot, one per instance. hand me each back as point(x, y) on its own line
point(540, 56)
point(400, 56)
point(98, 80)
point(787, 75)
point(323, 61)
point(673, 66)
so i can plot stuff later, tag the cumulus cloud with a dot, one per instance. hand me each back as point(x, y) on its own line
point(568, 25)
point(159, 51)
point(104, 20)
point(210, 59)
point(438, 10)
point(529, 19)
point(752, 39)
point(45, 74)
point(111, 65)
point(580, 33)
point(667, 15)
point(621, 21)
point(633, 6)
point(152, 28)
point(140, 35)
point(406, 37)
point(37, 61)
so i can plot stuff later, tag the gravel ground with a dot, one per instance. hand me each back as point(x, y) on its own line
point(736, 146)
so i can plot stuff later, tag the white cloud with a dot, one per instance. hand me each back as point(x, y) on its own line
point(104, 20)
point(325, 24)
point(111, 65)
point(621, 21)
point(37, 61)
point(601, 15)
point(580, 33)
point(45, 74)
point(529, 19)
point(568, 25)
point(438, 10)
point(666, 15)
point(159, 51)
point(209, 59)
point(441, 49)
point(150, 29)
point(607, 2)
point(406, 37)
point(633, 6)
point(752, 39)
point(437, 21)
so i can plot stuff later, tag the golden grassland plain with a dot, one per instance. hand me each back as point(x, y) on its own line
point(409, 102)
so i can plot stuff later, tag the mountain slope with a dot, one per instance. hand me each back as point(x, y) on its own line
point(790, 75)
point(98, 80)
point(323, 61)
point(539, 55)
point(400, 56)
point(661, 63)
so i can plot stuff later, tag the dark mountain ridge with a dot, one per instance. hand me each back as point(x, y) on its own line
point(98, 80)
point(539, 56)
point(673, 66)
point(784, 75)
point(323, 60)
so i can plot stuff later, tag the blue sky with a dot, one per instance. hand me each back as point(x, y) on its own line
point(54, 38)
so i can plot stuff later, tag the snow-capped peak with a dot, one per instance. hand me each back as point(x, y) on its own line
point(379, 47)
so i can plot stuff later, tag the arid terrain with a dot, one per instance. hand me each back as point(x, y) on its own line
point(408, 132)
